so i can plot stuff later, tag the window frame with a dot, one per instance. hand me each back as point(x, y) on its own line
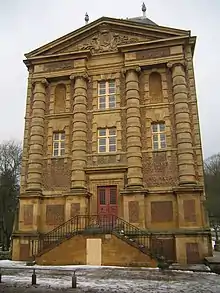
point(158, 133)
point(107, 138)
point(59, 141)
point(107, 94)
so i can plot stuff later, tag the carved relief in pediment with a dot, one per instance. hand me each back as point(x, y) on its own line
point(105, 40)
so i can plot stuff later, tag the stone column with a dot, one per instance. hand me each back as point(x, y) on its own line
point(79, 131)
point(133, 133)
point(182, 124)
point(34, 177)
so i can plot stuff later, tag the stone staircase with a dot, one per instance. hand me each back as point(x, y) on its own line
point(99, 224)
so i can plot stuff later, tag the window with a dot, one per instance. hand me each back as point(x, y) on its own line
point(107, 140)
point(106, 95)
point(107, 195)
point(158, 135)
point(58, 144)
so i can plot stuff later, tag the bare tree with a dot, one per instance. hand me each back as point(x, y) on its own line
point(212, 187)
point(10, 163)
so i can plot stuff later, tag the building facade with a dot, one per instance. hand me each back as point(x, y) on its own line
point(112, 128)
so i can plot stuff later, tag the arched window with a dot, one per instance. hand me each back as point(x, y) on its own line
point(60, 98)
point(155, 87)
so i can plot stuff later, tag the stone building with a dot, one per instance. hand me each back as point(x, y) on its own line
point(112, 169)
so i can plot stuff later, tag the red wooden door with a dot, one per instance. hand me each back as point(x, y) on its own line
point(107, 201)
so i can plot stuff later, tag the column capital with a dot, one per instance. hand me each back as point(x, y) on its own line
point(42, 81)
point(81, 74)
point(173, 64)
point(137, 69)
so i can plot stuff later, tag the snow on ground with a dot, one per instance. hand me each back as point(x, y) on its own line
point(105, 280)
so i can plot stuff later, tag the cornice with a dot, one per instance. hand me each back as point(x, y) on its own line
point(42, 59)
point(153, 61)
point(153, 44)
point(188, 188)
point(106, 169)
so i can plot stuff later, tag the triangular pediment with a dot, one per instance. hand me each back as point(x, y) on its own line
point(105, 35)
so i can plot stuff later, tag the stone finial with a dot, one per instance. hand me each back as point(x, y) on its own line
point(144, 9)
point(86, 18)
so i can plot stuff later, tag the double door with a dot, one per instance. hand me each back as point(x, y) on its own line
point(107, 202)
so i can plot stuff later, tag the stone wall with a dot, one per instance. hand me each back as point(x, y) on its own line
point(111, 246)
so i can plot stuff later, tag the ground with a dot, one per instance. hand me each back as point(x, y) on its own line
point(17, 278)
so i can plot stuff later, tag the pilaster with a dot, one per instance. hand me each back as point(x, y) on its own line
point(133, 132)
point(34, 176)
point(79, 132)
point(182, 123)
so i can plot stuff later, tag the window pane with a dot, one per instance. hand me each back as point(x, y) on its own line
point(111, 90)
point(112, 148)
point(111, 83)
point(56, 136)
point(112, 105)
point(56, 145)
point(102, 141)
point(102, 132)
point(112, 98)
point(62, 152)
point(155, 145)
point(155, 138)
point(162, 127)
point(55, 153)
point(101, 100)
point(102, 149)
point(102, 106)
point(112, 131)
point(154, 127)
point(162, 136)
point(112, 101)
point(112, 140)
point(102, 91)
point(163, 144)
point(102, 196)
point(113, 195)
point(102, 84)
point(62, 135)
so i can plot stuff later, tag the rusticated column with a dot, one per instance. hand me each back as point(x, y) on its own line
point(133, 126)
point(34, 180)
point(182, 123)
point(79, 132)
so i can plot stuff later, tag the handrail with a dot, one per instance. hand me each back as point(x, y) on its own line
point(100, 224)
point(58, 227)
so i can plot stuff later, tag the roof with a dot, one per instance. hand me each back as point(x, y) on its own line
point(80, 39)
point(143, 20)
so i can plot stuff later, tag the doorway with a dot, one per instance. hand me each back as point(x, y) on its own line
point(107, 200)
point(107, 206)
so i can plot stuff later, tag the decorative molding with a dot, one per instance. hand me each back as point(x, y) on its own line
point(172, 64)
point(153, 53)
point(131, 68)
point(61, 65)
point(42, 81)
point(105, 40)
point(83, 75)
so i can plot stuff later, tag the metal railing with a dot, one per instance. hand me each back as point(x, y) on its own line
point(97, 224)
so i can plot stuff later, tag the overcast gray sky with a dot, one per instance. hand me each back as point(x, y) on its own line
point(28, 24)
